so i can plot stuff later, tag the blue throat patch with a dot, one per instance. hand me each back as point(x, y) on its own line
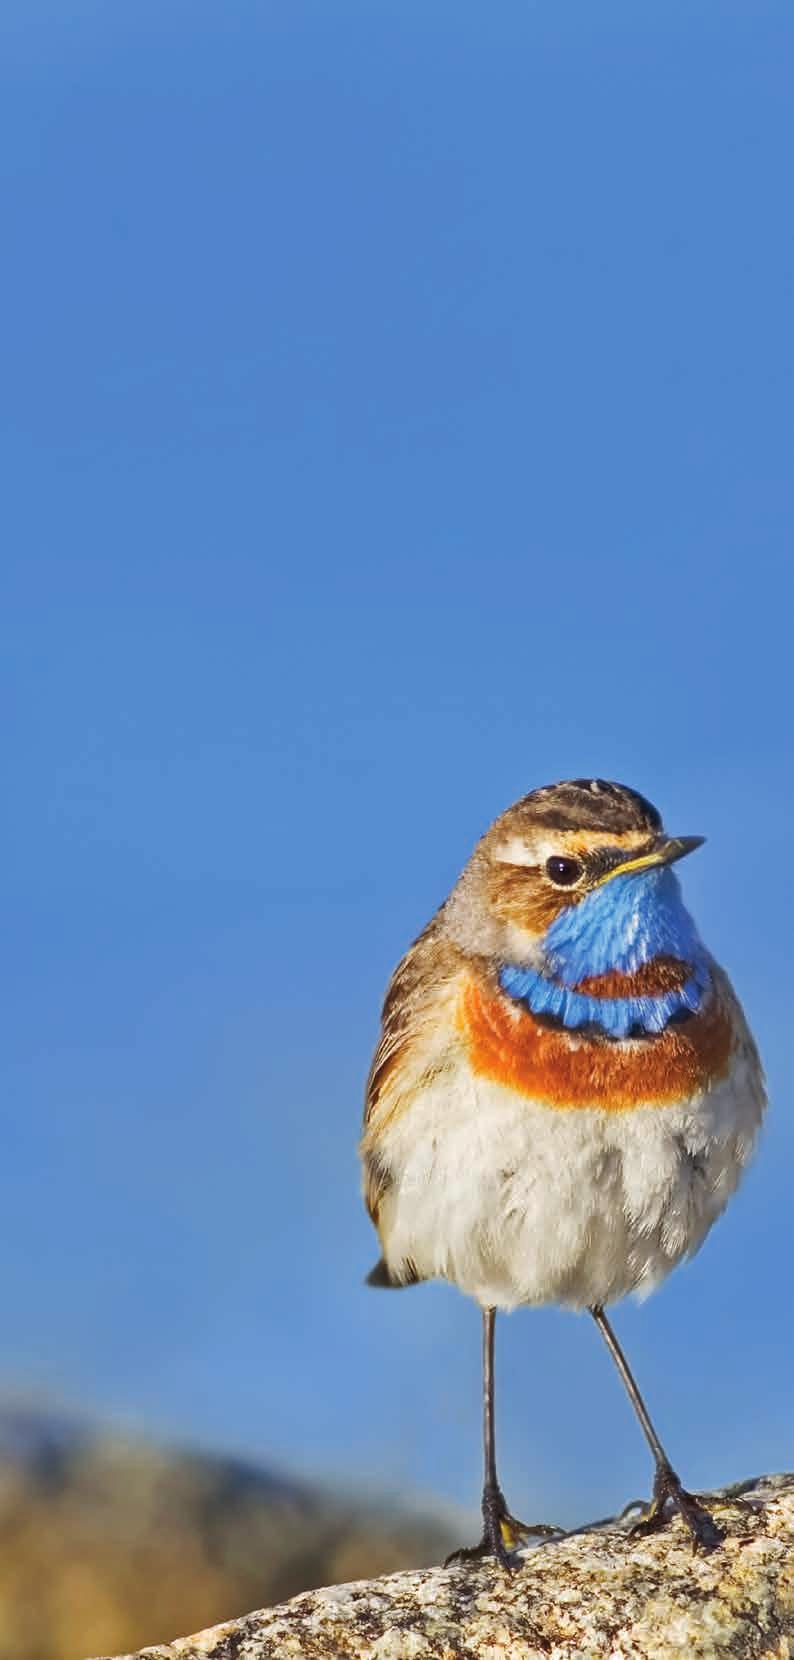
point(615, 929)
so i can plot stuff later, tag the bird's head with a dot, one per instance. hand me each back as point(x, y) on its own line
point(575, 882)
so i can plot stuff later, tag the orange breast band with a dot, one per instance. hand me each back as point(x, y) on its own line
point(559, 1069)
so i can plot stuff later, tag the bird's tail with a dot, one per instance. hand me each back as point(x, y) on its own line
point(383, 1279)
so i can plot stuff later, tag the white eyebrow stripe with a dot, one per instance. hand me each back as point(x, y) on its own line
point(515, 852)
point(567, 844)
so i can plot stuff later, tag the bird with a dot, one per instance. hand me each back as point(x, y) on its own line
point(564, 1095)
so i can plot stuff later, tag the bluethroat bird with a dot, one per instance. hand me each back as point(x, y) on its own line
point(565, 1092)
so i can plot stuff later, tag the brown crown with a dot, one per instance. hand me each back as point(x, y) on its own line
point(588, 804)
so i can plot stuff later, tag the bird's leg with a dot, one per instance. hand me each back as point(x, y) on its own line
point(501, 1531)
point(667, 1488)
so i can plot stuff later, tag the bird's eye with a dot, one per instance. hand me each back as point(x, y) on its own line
point(563, 872)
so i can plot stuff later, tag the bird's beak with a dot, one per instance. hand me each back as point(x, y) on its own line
point(672, 848)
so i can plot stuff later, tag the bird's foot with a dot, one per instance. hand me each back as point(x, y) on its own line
point(732, 1501)
point(669, 1496)
point(502, 1533)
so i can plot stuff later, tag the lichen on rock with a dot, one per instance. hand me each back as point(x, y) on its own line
point(597, 1594)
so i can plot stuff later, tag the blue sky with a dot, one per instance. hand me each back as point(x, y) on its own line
point(397, 416)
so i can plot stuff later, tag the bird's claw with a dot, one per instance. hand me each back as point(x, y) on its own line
point(502, 1533)
point(667, 1491)
point(751, 1507)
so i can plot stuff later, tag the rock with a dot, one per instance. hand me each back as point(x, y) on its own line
point(595, 1593)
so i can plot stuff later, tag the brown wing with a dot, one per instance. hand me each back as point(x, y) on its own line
point(406, 1050)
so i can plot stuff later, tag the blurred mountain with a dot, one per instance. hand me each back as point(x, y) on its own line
point(108, 1544)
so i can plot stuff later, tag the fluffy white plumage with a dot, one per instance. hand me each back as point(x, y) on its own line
point(516, 1202)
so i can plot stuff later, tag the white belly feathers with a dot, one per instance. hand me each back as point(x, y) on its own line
point(517, 1202)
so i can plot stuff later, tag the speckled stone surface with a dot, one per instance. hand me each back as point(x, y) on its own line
point(597, 1593)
